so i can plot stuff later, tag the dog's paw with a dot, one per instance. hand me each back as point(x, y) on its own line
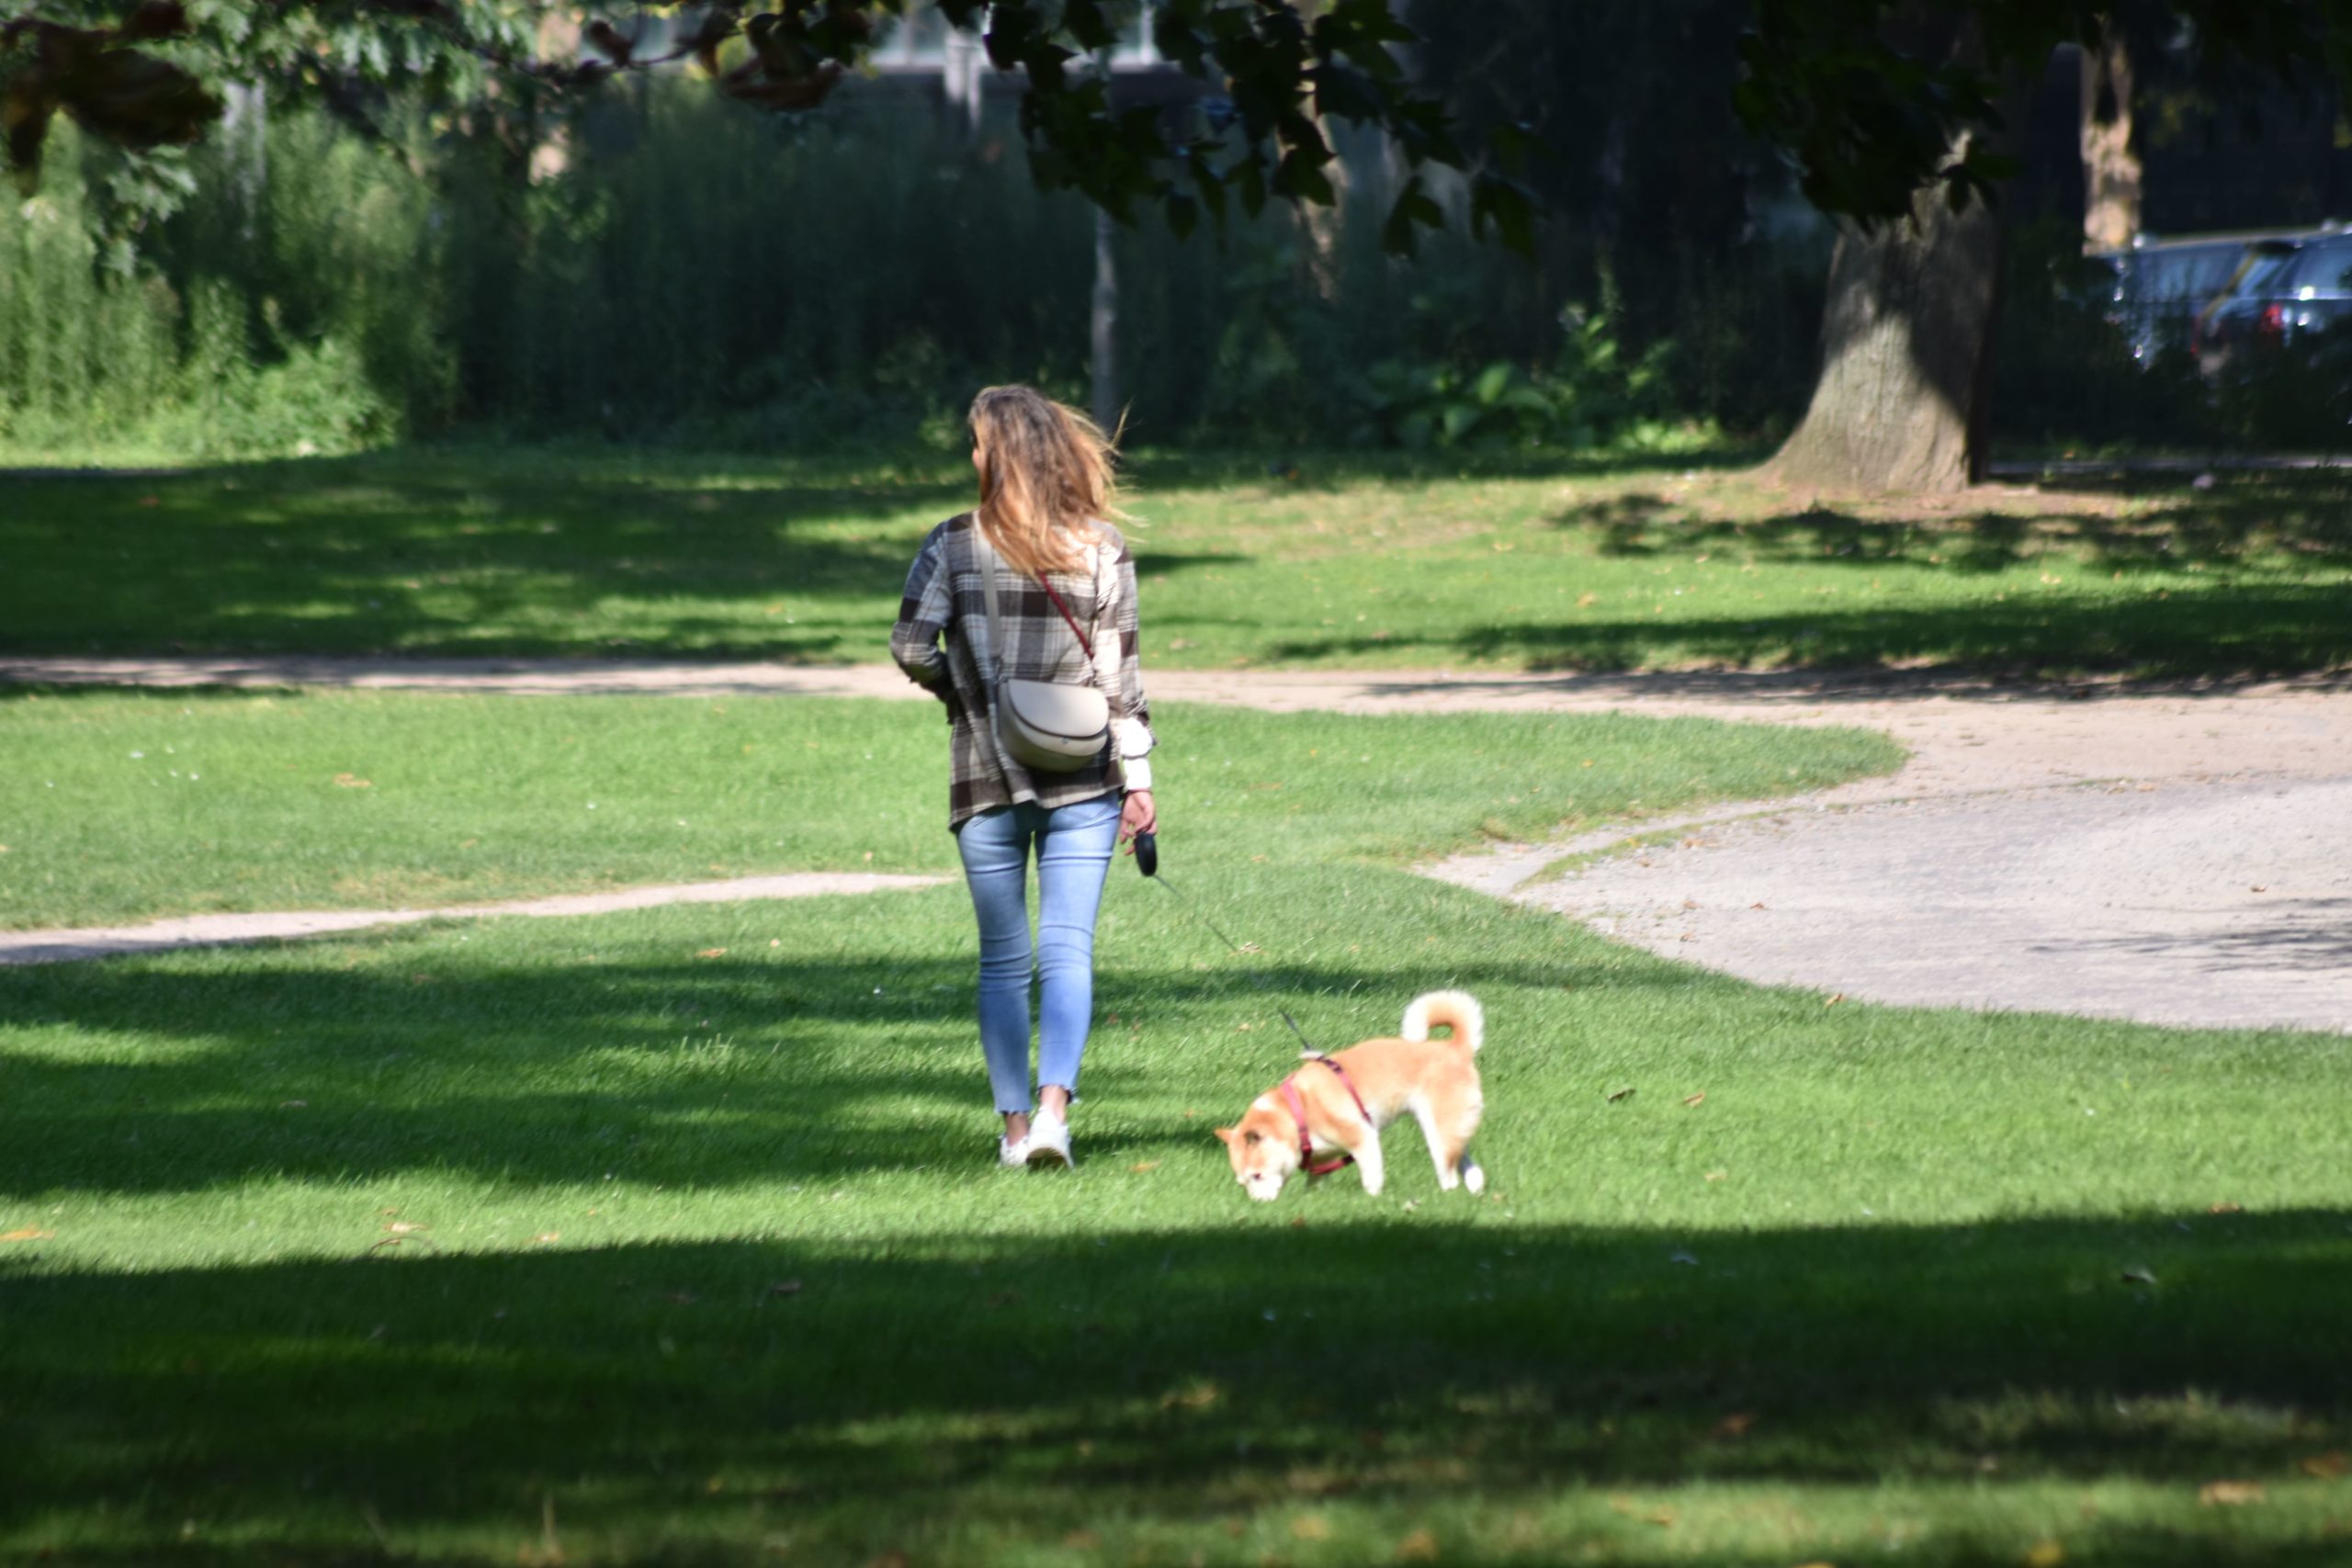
point(1474, 1178)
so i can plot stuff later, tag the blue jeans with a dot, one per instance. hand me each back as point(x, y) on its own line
point(1074, 844)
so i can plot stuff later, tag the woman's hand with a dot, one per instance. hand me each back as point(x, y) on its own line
point(1137, 815)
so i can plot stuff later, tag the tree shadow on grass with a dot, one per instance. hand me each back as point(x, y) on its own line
point(518, 561)
point(1327, 470)
point(2153, 527)
point(711, 1073)
point(962, 1398)
point(2215, 635)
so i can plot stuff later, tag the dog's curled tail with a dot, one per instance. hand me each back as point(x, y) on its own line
point(1457, 1009)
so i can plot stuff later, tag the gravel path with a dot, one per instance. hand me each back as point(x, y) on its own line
point(2173, 857)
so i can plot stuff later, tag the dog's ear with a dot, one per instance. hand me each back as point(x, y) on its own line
point(1224, 1135)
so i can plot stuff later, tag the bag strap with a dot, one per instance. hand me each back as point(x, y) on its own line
point(987, 555)
point(1068, 619)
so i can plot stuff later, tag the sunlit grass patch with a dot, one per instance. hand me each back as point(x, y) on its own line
point(115, 807)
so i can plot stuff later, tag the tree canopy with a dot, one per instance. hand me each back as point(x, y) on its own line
point(1840, 88)
point(1874, 100)
point(151, 77)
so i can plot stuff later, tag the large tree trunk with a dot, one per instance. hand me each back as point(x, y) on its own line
point(1905, 354)
point(2111, 166)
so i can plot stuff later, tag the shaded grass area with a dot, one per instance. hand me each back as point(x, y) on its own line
point(123, 805)
point(672, 1237)
point(1387, 561)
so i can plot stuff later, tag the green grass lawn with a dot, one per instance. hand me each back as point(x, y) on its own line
point(1358, 562)
point(120, 806)
point(674, 1237)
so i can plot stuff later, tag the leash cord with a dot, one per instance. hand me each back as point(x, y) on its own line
point(1255, 979)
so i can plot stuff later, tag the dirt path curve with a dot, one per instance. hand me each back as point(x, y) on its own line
point(2176, 857)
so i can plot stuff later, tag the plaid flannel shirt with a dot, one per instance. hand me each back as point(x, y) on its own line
point(942, 642)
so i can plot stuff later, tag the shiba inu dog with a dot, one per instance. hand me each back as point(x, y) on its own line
point(1330, 1113)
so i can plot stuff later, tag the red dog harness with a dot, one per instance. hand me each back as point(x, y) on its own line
point(1298, 1114)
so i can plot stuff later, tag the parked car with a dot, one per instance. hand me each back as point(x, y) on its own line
point(2165, 290)
point(2306, 291)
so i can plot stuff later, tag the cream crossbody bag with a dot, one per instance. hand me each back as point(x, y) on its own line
point(1048, 726)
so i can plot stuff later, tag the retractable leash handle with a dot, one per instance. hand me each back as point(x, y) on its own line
point(1148, 854)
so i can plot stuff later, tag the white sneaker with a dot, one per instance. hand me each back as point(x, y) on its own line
point(1013, 1153)
point(1048, 1142)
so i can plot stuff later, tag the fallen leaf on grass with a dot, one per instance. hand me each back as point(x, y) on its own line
point(2224, 1207)
point(549, 1236)
point(712, 953)
point(402, 1227)
point(1143, 1165)
point(1717, 1175)
point(1833, 1001)
point(2329, 1466)
point(1694, 1099)
point(352, 781)
point(1311, 1527)
point(1617, 1094)
point(28, 1235)
point(2230, 1494)
point(1419, 1547)
point(1662, 1517)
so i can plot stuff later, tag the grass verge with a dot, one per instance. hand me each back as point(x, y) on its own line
point(121, 805)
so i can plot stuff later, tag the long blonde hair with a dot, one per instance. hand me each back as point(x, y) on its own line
point(1046, 478)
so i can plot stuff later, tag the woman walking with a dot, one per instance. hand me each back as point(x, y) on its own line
point(1033, 585)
